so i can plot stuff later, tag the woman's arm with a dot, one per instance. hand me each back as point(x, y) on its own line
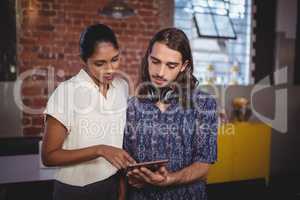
point(54, 155)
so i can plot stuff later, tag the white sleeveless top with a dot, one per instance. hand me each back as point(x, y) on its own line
point(90, 119)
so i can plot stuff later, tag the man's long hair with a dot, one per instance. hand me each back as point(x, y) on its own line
point(177, 40)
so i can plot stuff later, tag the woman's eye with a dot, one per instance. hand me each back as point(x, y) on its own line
point(115, 60)
point(155, 62)
point(99, 64)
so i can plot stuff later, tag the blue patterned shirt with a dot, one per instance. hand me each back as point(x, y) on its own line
point(183, 136)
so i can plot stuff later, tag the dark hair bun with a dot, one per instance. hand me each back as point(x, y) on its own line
point(94, 35)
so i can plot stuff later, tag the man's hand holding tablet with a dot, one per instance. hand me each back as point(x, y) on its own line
point(153, 173)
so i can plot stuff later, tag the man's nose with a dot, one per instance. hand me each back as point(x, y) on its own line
point(162, 71)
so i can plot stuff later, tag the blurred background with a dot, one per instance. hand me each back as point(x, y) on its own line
point(246, 52)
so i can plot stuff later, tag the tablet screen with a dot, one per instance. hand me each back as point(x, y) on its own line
point(151, 165)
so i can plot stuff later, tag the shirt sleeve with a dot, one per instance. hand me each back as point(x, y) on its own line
point(204, 143)
point(59, 106)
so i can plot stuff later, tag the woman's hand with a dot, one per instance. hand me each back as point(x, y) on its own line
point(116, 156)
point(159, 178)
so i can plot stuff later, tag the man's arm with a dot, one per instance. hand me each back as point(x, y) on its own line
point(195, 172)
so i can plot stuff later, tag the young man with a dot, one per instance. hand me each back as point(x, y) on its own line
point(170, 119)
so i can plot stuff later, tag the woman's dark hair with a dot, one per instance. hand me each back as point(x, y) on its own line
point(92, 36)
point(177, 40)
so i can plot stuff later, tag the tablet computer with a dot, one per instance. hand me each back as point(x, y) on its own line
point(151, 165)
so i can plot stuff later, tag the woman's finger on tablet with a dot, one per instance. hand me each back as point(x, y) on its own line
point(120, 161)
point(129, 159)
point(115, 163)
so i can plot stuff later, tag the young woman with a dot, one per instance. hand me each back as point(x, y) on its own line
point(170, 119)
point(85, 119)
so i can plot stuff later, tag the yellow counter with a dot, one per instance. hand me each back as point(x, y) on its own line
point(243, 153)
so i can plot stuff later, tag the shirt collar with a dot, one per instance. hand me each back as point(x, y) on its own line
point(174, 104)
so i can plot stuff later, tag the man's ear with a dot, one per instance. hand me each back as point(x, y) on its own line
point(184, 66)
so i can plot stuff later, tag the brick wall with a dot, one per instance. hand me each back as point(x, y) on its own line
point(48, 35)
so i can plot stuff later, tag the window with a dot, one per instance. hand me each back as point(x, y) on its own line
point(212, 19)
point(220, 36)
